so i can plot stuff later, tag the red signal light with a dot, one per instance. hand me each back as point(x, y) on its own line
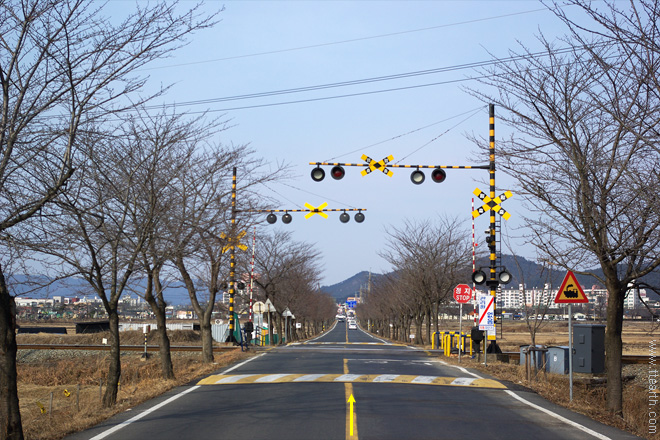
point(438, 175)
point(337, 172)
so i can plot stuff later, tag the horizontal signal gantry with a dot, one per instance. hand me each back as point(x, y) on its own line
point(311, 210)
point(417, 177)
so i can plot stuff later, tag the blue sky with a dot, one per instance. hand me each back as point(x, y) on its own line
point(265, 46)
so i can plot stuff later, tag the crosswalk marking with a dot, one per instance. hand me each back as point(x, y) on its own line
point(236, 379)
point(271, 378)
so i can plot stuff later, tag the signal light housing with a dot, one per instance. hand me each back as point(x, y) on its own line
point(271, 218)
point(438, 175)
point(344, 217)
point(286, 218)
point(504, 277)
point(417, 177)
point(318, 174)
point(478, 277)
point(337, 172)
point(359, 217)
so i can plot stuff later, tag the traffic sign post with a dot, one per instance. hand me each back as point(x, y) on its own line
point(570, 293)
point(462, 294)
point(486, 317)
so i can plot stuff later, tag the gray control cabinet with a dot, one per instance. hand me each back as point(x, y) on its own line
point(557, 360)
point(589, 348)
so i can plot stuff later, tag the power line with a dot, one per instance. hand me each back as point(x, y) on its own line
point(397, 76)
point(352, 40)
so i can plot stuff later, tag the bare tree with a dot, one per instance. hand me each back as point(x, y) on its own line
point(429, 259)
point(202, 229)
point(287, 271)
point(197, 230)
point(62, 65)
point(166, 145)
point(585, 155)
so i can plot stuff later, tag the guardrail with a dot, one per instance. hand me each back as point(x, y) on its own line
point(626, 358)
point(451, 342)
point(107, 347)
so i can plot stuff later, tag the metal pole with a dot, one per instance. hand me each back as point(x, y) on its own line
point(492, 244)
point(232, 258)
point(460, 330)
point(570, 350)
point(254, 246)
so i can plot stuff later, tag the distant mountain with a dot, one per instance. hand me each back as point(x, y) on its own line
point(523, 271)
point(350, 286)
point(39, 286)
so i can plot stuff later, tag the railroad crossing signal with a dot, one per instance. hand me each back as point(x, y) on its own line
point(310, 210)
point(493, 204)
point(233, 242)
point(319, 210)
point(380, 165)
point(438, 174)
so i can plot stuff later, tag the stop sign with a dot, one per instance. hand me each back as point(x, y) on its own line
point(462, 293)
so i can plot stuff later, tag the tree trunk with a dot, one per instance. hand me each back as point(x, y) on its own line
point(614, 348)
point(207, 341)
point(165, 354)
point(11, 427)
point(428, 325)
point(280, 334)
point(114, 372)
point(157, 304)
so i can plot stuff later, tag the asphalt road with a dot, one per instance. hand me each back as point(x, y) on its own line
point(302, 391)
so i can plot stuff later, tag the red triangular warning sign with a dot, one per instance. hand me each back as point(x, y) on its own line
point(570, 291)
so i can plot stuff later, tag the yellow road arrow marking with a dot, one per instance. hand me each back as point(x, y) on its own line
point(351, 401)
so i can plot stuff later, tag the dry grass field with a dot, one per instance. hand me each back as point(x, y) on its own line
point(60, 390)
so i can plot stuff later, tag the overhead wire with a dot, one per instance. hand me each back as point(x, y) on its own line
point(354, 82)
point(351, 40)
point(472, 112)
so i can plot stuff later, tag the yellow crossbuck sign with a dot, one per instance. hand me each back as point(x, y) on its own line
point(372, 165)
point(493, 204)
point(319, 210)
point(233, 242)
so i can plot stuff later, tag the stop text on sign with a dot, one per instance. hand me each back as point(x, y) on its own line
point(462, 293)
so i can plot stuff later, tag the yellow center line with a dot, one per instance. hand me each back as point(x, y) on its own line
point(348, 391)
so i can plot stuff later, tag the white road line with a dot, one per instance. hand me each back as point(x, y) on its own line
point(323, 334)
point(241, 364)
point(557, 416)
point(462, 369)
point(144, 413)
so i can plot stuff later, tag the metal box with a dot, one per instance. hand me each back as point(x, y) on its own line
point(589, 348)
point(539, 356)
point(557, 360)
